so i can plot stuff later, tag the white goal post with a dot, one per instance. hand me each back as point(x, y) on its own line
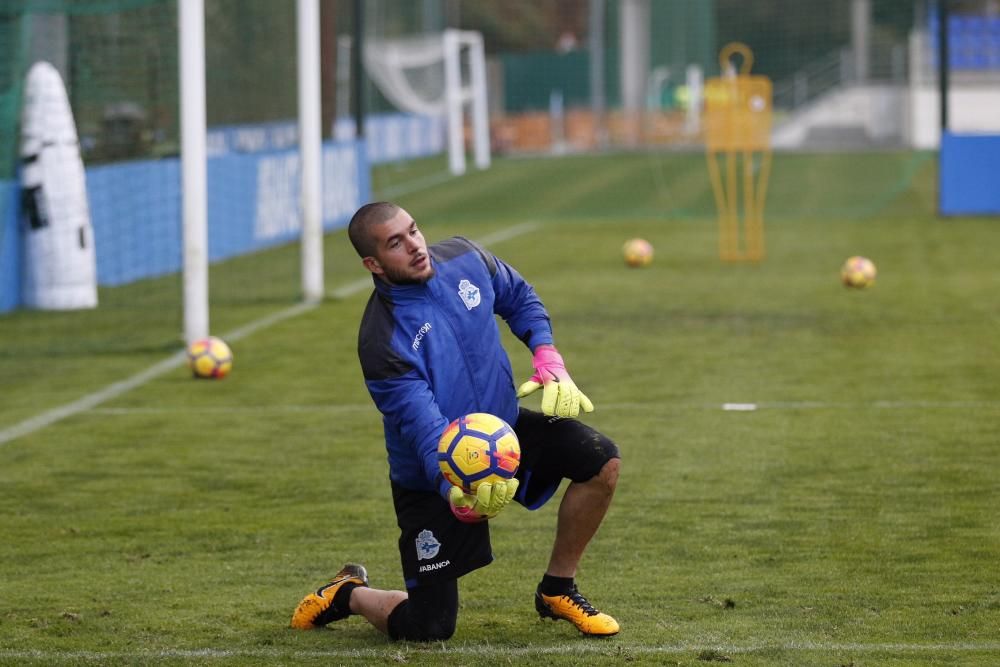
point(194, 171)
point(194, 168)
point(310, 149)
point(454, 63)
point(440, 75)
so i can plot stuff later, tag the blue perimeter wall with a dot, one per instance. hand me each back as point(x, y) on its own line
point(135, 209)
point(10, 246)
point(969, 174)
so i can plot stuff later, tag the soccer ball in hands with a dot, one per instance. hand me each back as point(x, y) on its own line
point(477, 448)
point(858, 272)
point(638, 252)
point(209, 358)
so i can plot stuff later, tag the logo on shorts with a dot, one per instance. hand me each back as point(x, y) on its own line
point(469, 293)
point(430, 567)
point(427, 545)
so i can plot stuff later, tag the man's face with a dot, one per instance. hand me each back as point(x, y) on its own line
point(401, 256)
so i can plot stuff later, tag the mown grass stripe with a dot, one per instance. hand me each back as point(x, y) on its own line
point(638, 405)
point(577, 648)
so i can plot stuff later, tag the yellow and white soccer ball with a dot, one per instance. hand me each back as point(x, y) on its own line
point(477, 448)
point(858, 272)
point(209, 358)
point(638, 252)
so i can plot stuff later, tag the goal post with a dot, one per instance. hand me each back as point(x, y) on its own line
point(194, 167)
point(459, 95)
point(310, 148)
point(188, 127)
point(443, 75)
point(194, 173)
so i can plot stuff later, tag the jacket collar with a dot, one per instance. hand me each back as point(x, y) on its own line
point(402, 293)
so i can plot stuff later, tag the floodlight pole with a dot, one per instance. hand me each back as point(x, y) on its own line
point(357, 70)
point(596, 45)
point(861, 12)
point(944, 65)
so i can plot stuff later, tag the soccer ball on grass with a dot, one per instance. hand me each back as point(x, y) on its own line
point(477, 448)
point(637, 252)
point(209, 358)
point(858, 272)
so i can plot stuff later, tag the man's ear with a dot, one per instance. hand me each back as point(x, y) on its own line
point(372, 265)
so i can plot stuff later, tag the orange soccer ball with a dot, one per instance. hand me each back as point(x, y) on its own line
point(209, 358)
point(477, 448)
point(858, 272)
point(638, 252)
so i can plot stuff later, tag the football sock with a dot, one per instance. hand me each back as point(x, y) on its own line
point(556, 585)
point(342, 599)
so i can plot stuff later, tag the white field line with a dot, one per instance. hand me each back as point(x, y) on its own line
point(393, 192)
point(90, 401)
point(509, 233)
point(237, 409)
point(351, 288)
point(607, 647)
point(805, 405)
point(610, 407)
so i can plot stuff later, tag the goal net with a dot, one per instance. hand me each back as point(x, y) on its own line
point(120, 62)
point(437, 76)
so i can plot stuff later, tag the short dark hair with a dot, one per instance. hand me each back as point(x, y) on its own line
point(374, 213)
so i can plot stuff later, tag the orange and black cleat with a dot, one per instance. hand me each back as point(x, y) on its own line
point(317, 609)
point(574, 608)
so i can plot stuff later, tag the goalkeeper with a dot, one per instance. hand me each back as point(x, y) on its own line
point(430, 351)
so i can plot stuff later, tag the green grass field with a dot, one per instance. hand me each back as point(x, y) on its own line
point(853, 518)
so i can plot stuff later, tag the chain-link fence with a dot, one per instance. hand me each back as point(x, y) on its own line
point(563, 76)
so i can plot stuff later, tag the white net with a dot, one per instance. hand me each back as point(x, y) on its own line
point(409, 71)
point(428, 88)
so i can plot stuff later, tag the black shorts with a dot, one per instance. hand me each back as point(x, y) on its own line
point(554, 449)
point(435, 546)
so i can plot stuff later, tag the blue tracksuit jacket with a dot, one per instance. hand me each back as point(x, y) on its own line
point(431, 353)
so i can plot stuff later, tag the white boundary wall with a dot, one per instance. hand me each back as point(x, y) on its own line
point(896, 115)
point(972, 108)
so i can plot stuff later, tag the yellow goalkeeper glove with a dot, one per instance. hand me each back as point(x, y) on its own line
point(489, 499)
point(560, 395)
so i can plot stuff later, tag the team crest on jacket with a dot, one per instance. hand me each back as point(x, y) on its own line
point(469, 293)
point(427, 545)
